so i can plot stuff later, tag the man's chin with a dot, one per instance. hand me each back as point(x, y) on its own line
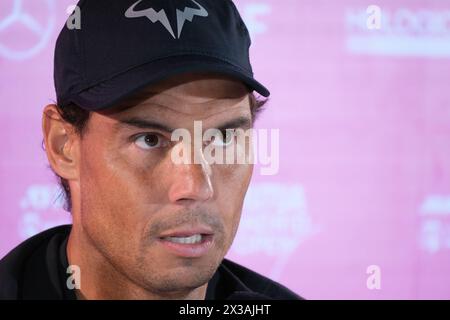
point(179, 281)
point(177, 273)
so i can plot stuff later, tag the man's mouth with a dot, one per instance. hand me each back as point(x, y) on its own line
point(196, 238)
point(188, 243)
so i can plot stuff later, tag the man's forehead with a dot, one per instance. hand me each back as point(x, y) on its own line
point(193, 90)
point(187, 97)
point(178, 103)
point(166, 106)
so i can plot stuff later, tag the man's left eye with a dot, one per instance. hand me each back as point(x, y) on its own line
point(150, 141)
point(227, 139)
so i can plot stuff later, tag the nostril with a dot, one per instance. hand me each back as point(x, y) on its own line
point(188, 188)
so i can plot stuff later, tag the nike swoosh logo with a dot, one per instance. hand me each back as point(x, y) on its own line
point(187, 14)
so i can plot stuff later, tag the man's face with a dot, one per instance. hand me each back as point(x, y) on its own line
point(132, 195)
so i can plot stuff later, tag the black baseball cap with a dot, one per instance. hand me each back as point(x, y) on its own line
point(123, 46)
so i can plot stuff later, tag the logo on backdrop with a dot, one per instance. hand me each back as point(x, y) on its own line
point(38, 29)
point(275, 221)
point(435, 225)
point(41, 209)
point(254, 14)
point(398, 32)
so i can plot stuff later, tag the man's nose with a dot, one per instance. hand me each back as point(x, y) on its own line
point(191, 182)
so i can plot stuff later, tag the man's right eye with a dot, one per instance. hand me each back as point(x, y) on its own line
point(150, 141)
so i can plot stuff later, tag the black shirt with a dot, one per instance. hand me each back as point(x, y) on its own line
point(36, 269)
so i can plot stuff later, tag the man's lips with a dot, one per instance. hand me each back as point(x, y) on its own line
point(175, 242)
point(186, 232)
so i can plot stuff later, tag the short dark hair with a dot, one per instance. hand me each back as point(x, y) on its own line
point(79, 117)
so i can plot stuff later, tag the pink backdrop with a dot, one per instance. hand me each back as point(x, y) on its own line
point(364, 119)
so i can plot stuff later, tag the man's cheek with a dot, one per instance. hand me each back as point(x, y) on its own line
point(106, 190)
point(113, 211)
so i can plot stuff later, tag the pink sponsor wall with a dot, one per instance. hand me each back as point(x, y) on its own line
point(364, 156)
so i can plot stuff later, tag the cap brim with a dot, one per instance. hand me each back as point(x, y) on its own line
point(111, 92)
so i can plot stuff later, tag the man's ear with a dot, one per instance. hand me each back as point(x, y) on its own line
point(61, 143)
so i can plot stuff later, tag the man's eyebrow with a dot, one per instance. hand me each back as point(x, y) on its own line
point(144, 124)
point(240, 122)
